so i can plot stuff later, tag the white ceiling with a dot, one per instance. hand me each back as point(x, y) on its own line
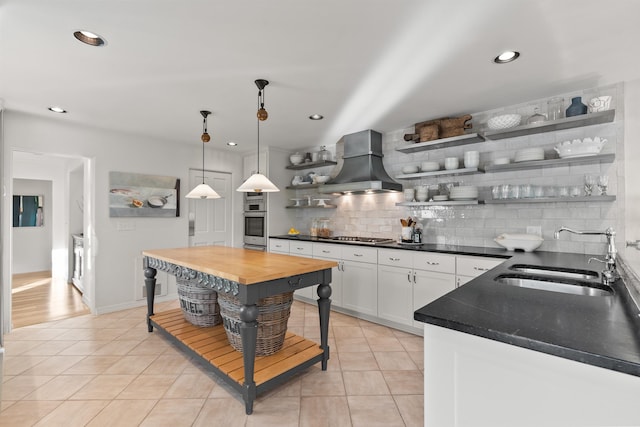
point(379, 64)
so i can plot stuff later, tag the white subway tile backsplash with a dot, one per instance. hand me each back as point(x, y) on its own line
point(378, 214)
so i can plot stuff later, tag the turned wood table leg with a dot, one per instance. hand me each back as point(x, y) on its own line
point(324, 306)
point(249, 336)
point(150, 285)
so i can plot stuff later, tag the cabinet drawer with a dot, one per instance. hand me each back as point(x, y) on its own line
point(277, 245)
point(396, 258)
point(301, 248)
point(360, 254)
point(429, 261)
point(473, 266)
point(327, 250)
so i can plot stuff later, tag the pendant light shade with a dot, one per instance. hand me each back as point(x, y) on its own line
point(203, 191)
point(258, 183)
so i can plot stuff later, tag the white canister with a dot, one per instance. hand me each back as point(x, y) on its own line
point(407, 234)
point(471, 159)
point(451, 163)
point(409, 194)
point(600, 103)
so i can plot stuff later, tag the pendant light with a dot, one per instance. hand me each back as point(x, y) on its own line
point(203, 191)
point(258, 183)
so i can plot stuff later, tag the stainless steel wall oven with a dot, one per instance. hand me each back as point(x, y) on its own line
point(255, 221)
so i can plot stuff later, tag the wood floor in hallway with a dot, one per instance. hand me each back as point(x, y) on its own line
point(37, 298)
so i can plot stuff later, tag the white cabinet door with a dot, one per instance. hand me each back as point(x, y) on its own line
point(360, 287)
point(395, 294)
point(461, 280)
point(429, 286)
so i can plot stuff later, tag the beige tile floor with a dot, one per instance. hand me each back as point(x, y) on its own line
point(109, 371)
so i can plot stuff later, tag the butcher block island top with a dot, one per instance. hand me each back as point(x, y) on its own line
point(255, 281)
point(240, 265)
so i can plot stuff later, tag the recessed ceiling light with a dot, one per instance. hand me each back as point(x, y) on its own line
point(316, 117)
point(87, 37)
point(232, 144)
point(506, 56)
point(57, 109)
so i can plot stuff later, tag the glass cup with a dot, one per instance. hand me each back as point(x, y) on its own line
point(576, 191)
point(496, 192)
point(555, 108)
point(526, 191)
point(505, 189)
point(514, 192)
point(538, 191)
point(603, 182)
point(563, 191)
point(589, 183)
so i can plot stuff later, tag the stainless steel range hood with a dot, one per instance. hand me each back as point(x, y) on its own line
point(362, 170)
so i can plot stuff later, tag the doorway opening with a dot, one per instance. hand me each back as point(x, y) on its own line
point(45, 259)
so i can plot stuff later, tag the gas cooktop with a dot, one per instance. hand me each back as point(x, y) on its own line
point(358, 240)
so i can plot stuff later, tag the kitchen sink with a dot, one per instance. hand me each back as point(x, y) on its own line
point(569, 273)
point(566, 286)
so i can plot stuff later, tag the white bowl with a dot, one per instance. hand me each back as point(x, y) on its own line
point(429, 166)
point(502, 161)
point(504, 121)
point(410, 169)
point(320, 179)
point(578, 148)
point(525, 242)
point(296, 158)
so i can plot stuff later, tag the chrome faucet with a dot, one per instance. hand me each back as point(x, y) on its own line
point(610, 273)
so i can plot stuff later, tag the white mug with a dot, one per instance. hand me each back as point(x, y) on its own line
point(471, 159)
point(409, 194)
point(451, 163)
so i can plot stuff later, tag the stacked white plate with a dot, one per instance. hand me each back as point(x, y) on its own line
point(463, 193)
point(529, 154)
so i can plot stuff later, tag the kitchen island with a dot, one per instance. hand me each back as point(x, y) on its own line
point(249, 276)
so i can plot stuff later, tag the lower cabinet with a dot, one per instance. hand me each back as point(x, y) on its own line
point(388, 284)
point(429, 286)
point(395, 294)
point(360, 279)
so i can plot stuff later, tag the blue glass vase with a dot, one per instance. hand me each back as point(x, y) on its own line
point(576, 108)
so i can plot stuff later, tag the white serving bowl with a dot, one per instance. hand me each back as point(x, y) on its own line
point(410, 169)
point(579, 148)
point(525, 242)
point(320, 179)
point(502, 161)
point(504, 121)
point(429, 166)
point(296, 158)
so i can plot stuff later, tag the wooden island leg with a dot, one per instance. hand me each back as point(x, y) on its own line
point(249, 336)
point(150, 285)
point(324, 306)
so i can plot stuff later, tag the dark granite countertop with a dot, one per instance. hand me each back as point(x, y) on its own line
point(602, 331)
point(598, 330)
point(427, 247)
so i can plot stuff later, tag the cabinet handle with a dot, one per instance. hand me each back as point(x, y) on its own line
point(357, 255)
point(394, 259)
point(299, 249)
point(414, 277)
point(457, 282)
point(324, 251)
point(433, 263)
point(480, 269)
point(409, 277)
point(342, 265)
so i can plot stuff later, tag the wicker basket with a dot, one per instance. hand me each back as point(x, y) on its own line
point(199, 305)
point(273, 315)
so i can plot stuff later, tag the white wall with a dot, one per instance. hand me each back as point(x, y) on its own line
point(114, 250)
point(32, 245)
